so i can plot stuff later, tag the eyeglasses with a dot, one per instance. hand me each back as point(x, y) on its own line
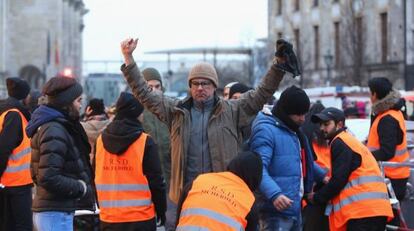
point(203, 84)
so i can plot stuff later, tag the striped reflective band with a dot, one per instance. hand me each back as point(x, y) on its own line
point(355, 198)
point(397, 152)
point(124, 203)
point(12, 169)
point(191, 228)
point(364, 180)
point(214, 216)
point(21, 154)
point(122, 187)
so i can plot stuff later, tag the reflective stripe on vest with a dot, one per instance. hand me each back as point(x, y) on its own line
point(365, 194)
point(191, 228)
point(216, 201)
point(122, 187)
point(212, 215)
point(401, 152)
point(17, 172)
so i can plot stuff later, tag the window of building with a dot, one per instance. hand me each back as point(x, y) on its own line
point(384, 37)
point(279, 7)
point(337, 43)
point(316, 46)
point(315, 3)
point(297, 5)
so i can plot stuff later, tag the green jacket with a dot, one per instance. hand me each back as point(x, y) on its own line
point(159, 132)
point(224, 127)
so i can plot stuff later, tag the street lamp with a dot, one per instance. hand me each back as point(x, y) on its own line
point(328, 57)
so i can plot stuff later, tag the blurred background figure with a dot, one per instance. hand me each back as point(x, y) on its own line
point(226, 90)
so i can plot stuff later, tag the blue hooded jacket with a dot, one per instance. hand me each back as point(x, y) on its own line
point(279, 148)
point(40, 116)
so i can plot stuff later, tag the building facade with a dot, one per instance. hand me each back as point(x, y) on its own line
point(39, 39)
point(346, 42)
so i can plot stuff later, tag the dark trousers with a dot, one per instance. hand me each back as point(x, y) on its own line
point(314, 218)
point(367, 224)
point(149, 225)
point(17, 208)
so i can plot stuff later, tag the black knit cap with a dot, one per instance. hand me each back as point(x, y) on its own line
point(17, 88)
point(64, 95)
point(97, 106)
point(381, 86)
point(127, 106)
point(293, 101)
point(238, 88)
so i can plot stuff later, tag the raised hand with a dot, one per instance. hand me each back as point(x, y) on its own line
point(285, 58)
point(127, 47)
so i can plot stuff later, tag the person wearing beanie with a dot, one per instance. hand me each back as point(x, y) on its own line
point(237, 90)
point(60, 164)
point(159, 132)
point(354, 175)
point(227, 194)
point(226, 90)
point(16, 195)
point(288, 167)
point(204, 129)
point(126, 154)
point(95, 122)
point(387, 139)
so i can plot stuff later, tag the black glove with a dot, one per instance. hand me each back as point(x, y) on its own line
point(284, 50)
point(161, 219)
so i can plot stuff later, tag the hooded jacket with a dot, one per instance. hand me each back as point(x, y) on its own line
point(280, 150)
point(116, 139)
point(60, 161)
point(224, 125)
point(94, 127)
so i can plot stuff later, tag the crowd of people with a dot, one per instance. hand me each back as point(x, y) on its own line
point(206, 162)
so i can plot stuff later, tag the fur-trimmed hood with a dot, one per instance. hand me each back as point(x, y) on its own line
point(386, 103)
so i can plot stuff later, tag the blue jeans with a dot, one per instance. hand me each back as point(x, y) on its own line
point(51, 221)
point(276, 223)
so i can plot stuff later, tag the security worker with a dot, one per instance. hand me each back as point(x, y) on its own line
point(15, 153)
point(387, 138)
point(223, 200)
point(128, 177)
point(357, 195)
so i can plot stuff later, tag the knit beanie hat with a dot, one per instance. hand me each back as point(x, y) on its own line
point(381, 86)
point(293, 101)
point(127, 106)
point(17, 88)
point(62, 91)
point(238, 88)
point(97, 106)
point(151, 74)
point(205, 71)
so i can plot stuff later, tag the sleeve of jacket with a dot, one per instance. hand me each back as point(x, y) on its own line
point(53, 146)
point(162, 106)
point(390, 135)
point(319, 172)
point(152, 170)
point(341, 170)
point(11, 136)
point(252, 218)
point(262, 143)
point(252, 101)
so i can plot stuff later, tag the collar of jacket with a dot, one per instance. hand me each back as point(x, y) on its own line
point(386, 103)
point(187, 103)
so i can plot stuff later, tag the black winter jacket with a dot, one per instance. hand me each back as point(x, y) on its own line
point(60, 161)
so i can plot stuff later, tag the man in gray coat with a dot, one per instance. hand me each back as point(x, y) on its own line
point(205, 131)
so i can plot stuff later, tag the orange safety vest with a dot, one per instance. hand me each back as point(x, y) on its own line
point(323, 154)
point(17, 172)
point(365, 194)
point(122, 187)
point(401, 151)
point(216, 201)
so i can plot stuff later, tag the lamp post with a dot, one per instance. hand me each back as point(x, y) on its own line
point(328, 57)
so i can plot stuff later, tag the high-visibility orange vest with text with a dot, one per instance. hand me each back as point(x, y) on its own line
point(401, 151)
point(216, 201)
point(323, 154)
point(122, 187)
point(365, 194)
point(17, 172)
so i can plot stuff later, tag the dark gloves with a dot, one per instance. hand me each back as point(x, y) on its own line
point(286, 58)
point(161, 219)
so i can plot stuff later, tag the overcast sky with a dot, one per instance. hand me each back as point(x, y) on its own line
point(170, 24)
